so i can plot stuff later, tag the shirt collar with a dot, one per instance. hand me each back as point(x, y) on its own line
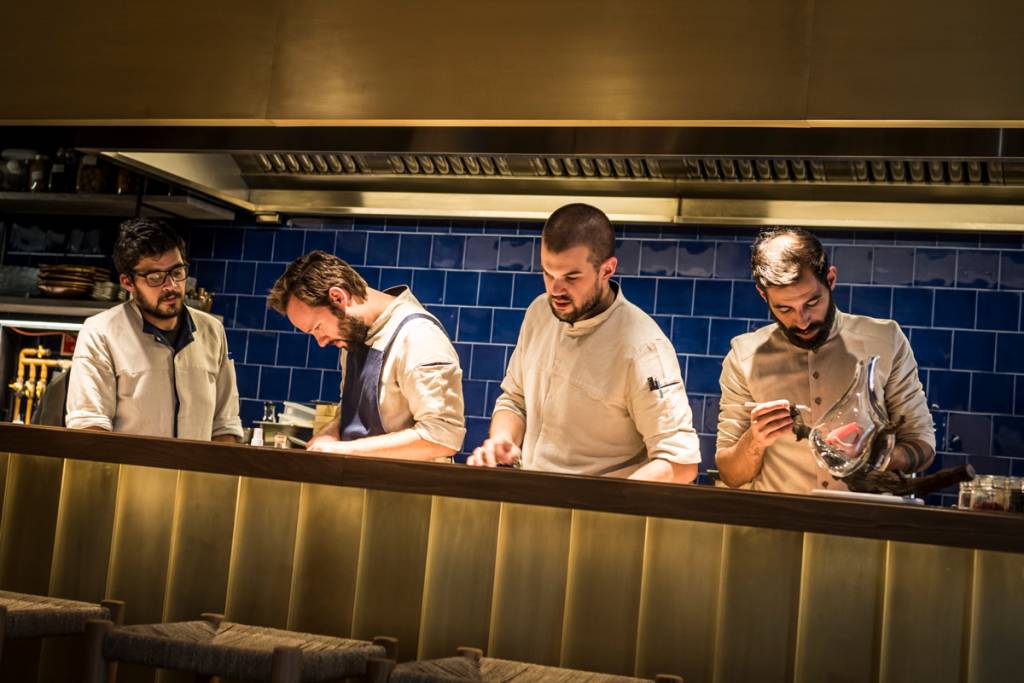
point(582, 327)
point(403, 296)
point(185, 337)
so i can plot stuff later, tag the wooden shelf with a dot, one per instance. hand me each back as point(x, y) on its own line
point(118, 206)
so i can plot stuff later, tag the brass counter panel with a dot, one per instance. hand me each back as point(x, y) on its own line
point(996, 617)
point(459, 577)
point(327, 547)
point(262, 552)
point(679, 599)
point(31, 500)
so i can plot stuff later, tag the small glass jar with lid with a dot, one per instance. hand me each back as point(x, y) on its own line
point(989, 493)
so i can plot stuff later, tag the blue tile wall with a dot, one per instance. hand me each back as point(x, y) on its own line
point(958, 300)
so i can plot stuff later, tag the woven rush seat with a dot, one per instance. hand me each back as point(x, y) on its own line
point(34, 616)
point(235, 650)
point(490, 670)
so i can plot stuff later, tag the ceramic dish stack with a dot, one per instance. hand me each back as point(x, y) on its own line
point(70, 281)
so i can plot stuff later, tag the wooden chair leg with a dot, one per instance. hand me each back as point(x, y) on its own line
point(286, 665)
point(116, 609)
point(95, 665)
point(390, 646)
point(378, 669)
point(3, 630)
point(474, 653)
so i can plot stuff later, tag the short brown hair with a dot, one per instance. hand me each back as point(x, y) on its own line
point(141, 238)
point(576, 225)
point(309, 278)
point(777, 264)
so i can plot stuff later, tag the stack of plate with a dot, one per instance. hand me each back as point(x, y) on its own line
point(105, 291)
point(71, 281)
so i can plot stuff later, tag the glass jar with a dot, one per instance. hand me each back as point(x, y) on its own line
point(1015, 489)
point(63, 172)
point(38, 173)
point(93, 176)
point(990, 493)
point(963, 501)
point(127, 182)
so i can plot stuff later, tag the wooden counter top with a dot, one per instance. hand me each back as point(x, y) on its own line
point(916, 524)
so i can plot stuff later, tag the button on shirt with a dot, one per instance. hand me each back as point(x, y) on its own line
point(583, 391)
point(126, 377)
point(421, 380)
point(764, 366)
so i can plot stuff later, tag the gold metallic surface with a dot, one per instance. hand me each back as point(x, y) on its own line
point(31, 498)
point(262, 552)
point(840, 609)
point(392, 561)
point(679, 599)
point(532, 564)
point(459, 577)
point(997, 603)
point(327, 548)
point(926, 612)
point(758, 603)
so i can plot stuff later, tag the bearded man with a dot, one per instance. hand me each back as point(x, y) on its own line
point(808, 358)
point(401, 394)
point(593, 386)
point(152, 365)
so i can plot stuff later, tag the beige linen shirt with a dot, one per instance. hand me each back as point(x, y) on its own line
point(583, 391)
point(421, 381)
point(124, 380)
point(764, 366)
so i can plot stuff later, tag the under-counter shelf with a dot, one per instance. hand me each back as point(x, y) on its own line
point(68, 308)
point(120, 206)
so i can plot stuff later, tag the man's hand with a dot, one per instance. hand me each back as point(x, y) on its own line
point(768, 422)
point(328, 435)
point(495, 451)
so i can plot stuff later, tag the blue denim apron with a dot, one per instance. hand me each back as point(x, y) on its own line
point(360, 394)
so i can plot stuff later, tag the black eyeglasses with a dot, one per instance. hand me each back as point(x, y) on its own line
point(155, 278)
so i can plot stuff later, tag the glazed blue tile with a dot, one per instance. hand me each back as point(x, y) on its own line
point(628, 254)
point(954, 308)
point(948, 390)
point(935, 267)
point(1004, 240)
point(428, 286)
point(665, 323)
point(974, 350)
point(461, 288)
point(747, 301)
point(690, 335)
point(200, 243)
point(696, 409)
point(224, 306)
point(872, 301)
point(474, 397)
point(465, 353)
point(1018, 404)
point(1010, 353)
point(984, 464)
point(266, 276)
point(1007, 436)
point(707, 452)
point(274, 383)
point(239, 278)
point(892, 266)
point(640, 231)
point(696, 259)
point(250, 409)
point(515, 253)
point(998, 311)
point(324, 358)
point(526, 288)
point(723, 331)
point(351, 248)
point(932, 348)
point(292, 349)
point(912, 306)
point(675, 297)
point(248, 379)
point(330, 386)
point(319, 240)
point(488, 362)
point(991, 393)
point(530, 228)
point(277, 322)
point(496, 289)
point(259, 245)
point(481, 253)
point(475, 324)
point(732, 260)
point(369, 223)
point(709, 416)
point(978, 269)
point(262, 348)
point(434, 225)
point(854, 263)
point(448, 316)
point(372, 276)
point(658, 257)
point(394, 277)
point(754, 325)
point(1011, 270)
point(288, 245)
point(414, 251)
point(447, 251)
point(842, 294)
point(970, 434)
point(467, 226)
point(703, 374)
point(250, 312)
point(940, 420)
point(381, 249)
point(507, 322)
point(493, 392)
point(305, 386)
point(641, 291)
point(227, 243)
point(476, 433)
point(712, 297)
point(237, 340)
point(210, 274)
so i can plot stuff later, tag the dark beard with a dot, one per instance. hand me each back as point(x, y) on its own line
point(155, 310)
point(823, 328)
point(351, 329)
point(585, 311)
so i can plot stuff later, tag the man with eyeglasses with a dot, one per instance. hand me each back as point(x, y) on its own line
point(152, 365)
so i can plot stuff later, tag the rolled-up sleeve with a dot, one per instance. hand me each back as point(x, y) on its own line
point(434, 393)
point(904, 394)
point(225, 416)
point(92, 387)
point(733, 418)
point(663, 418)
